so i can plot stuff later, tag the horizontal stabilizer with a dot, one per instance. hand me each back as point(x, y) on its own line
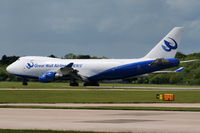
point(180, 69)
point(165, 72)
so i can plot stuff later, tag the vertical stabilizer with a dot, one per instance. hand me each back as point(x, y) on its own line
point(168, 46)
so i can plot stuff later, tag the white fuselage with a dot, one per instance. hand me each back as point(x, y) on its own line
point(86, 67)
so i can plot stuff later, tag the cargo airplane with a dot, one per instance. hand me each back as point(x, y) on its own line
point(91, 71)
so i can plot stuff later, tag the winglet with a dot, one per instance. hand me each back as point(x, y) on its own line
point(70, 65)
point(180, 69)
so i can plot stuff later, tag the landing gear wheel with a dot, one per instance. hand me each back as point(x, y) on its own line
point(73, 84)
point(25, 83)
point(91, 84)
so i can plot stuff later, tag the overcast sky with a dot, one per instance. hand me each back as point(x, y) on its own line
point(111, 28)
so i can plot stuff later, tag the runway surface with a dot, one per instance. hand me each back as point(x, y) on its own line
point(101, 120)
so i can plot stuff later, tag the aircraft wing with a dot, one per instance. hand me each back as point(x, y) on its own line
point(69, 72)
point(165, 72)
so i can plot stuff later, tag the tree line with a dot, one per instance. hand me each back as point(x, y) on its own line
point(189, 76)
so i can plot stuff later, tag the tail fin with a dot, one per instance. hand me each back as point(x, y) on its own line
point(168, 46)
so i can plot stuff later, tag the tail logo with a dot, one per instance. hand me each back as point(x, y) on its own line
point(168, 45)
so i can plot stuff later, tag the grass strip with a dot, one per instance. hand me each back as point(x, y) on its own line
point(107, 108)
point(55, 85)
point(93, 96)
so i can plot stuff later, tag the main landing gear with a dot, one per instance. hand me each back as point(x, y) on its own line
point(93, 83)
point(73, 83)
point(90, 83)
point(25, 82)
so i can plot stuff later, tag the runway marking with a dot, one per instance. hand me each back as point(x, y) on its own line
point(119, 121)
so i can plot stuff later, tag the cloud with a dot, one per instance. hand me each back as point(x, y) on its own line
point(112, 28)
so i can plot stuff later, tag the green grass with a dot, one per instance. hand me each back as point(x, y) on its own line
point(66, 85)
point(106, 108)
point(95, 96)
point(42, 131)
point(89, 95)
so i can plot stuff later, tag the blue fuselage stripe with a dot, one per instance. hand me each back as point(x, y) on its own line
point(133, 69)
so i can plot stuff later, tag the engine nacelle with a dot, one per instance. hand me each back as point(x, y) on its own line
point(47, 77)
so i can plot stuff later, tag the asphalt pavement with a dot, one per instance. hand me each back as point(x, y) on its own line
point(101, 120)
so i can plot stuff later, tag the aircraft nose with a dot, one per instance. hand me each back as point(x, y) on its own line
point(10, 69)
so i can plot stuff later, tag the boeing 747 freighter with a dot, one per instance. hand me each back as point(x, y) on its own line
point(91, 71)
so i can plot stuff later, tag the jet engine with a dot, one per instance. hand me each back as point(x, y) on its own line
point(47, 77)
